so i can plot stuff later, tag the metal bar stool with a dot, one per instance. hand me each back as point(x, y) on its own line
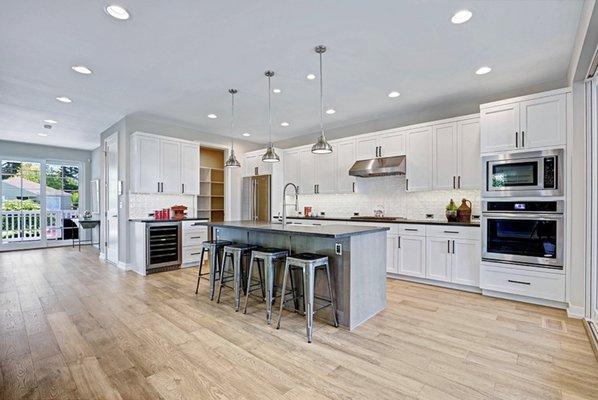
point(308, 263)
point(214, 248)
point(267, 257)
point(234, 252)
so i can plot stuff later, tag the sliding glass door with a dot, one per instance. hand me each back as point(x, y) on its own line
point(38, 201)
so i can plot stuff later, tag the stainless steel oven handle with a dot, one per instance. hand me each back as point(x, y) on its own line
point(539, 216)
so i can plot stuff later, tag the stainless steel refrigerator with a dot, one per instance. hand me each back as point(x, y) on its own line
point(256, 198)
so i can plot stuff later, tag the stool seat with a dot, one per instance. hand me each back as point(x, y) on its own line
point(216, 243)
point(271, 251)
point(240, 246)
point(308, 256)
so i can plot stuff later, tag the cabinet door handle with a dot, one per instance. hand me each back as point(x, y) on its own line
point(453, 247)
point(459, 182)
point(158, 187)
point(448, 246)
point(519, 282)
point(451, 232)
point(407, 184)
point(255, 171)
point(194, 254)
point(380, 151)
point(411, 229)
point(353, 187)
point(516, 139)
point(454, 179)
point(195, 237)
point(183, 185)
point(399, 242)
point(522, 139)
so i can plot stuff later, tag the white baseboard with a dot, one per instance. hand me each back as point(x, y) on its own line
point(577, 312)
point(525, 299)
point(425, 281)
point(102, 256)
point(122, 265)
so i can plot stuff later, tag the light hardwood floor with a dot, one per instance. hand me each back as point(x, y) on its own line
point(73, 327)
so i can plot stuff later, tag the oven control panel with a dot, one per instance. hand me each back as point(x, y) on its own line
point(549, 173)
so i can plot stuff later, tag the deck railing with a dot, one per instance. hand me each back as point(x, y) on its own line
point(26, 225)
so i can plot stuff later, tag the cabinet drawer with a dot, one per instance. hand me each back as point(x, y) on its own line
point(538, 284)
point(194, 238)
point(189, 226)
point(191, 254)
point(451, 231)
point(412, 229)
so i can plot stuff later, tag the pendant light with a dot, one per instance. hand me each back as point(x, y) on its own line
point(270, 155)
point(321, 146)
point(232, 161)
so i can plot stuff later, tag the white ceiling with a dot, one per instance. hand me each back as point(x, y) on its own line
point(176, 60)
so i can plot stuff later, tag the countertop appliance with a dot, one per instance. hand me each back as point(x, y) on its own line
point(163, 246)
point(523, 232)
point(380, 166)
point(529, 174)
point(256, 197)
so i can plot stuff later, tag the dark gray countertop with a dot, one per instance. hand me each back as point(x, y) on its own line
point(474, 223)
point(166, 220)
point(332, 231)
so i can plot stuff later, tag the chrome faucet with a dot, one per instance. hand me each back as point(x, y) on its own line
point(284, 202)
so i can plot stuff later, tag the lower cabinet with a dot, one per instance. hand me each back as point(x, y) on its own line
point(391, 253)
point(411, 256)
point(453, 260)
point(438, 259)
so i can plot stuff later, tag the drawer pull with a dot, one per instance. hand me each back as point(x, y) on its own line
point(520, 282)
point(195, 237)
point(194, 254)
point(455, 232)
point(411, 229)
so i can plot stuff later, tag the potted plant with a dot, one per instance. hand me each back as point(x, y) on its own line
point(451, 211)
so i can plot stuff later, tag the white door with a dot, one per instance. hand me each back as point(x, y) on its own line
point(392, 144)
point(190, 169)
point(445, 156)
point(391, 253)
point(466, 262)
point(543, 122)
point(366, 147)
point(112, 197)
point(325, 174)
point(306, 171)
point(500, 128)
point(291, 167)
point(438, 259)
point(419, 160)
point(469, 168)
point(147, 173)
point(170, 166)
point(411, 259)
point(345, 158)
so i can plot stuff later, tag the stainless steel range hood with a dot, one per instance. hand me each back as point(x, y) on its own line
point(383, 166)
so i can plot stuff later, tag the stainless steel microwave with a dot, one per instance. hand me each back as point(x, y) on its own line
point(534, 173)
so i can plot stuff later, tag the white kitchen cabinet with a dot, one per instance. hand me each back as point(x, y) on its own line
point(345, 158)
point(391, 144)
point(499, 128)
point(306, 171)
point(419, 159)
point(444, 167)
point(291, 167)
point(367, 147)
point(411, 256)
point(438, 259)
point(466, 262)
point(170, 166)
point(190, 169)
point(543, 122)
point(324, 173)
point(531, 122)
point(469, 163)
point(145, 152)
point(253, 164)
point(391, 253)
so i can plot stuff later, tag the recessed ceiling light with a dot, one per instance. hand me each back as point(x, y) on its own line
point(50, 121)
point(330, 111)
point(247, 134)
point(394, 94)
point(311, 77)
point(212, 116)
point(285, 124)
point(82, 69)
point(117, 12)
point(483, 70)
point(461, 17)
point(42, 134)
point(277, 91)
point(64, 99)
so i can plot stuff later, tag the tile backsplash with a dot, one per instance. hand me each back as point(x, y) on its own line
point(388, 192)
point(140, 205)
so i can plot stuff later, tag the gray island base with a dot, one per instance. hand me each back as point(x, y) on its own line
point(357, 257)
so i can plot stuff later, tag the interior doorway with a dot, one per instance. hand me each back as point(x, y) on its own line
point(112, 198)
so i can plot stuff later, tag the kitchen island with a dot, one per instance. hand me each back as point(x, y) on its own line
point(357, 257)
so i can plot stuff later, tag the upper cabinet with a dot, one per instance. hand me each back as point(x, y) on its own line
point(307, 170)
point(291, 166)
point(469, 163)
point(324, 173)
point(531, 122)
point(388, 144)
point(345, 158)
point(419, 159)
point(164, 165)
point(444, 141)
point(253, 164)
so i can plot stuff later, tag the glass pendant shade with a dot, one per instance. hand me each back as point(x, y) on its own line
point(321, 146)
point(270, 155)
point(232, 161)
